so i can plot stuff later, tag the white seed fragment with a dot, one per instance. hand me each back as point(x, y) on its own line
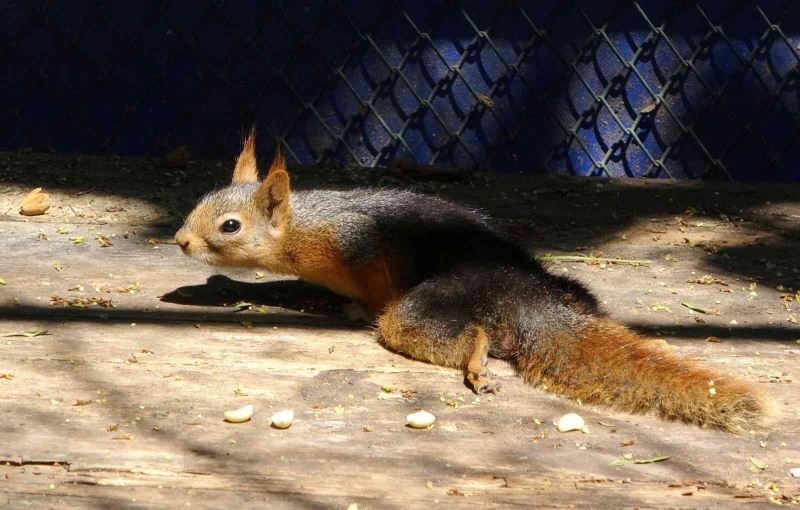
point(570, 422)
point(420, 420)
point(239, 415)
point(795, 472)
point(283, 419)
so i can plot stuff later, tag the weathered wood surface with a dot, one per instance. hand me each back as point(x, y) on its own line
point(154, 373)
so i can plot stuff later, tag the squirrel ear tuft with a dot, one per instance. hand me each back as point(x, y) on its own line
point(272, 197)
point(279, 161)
point(246, 167)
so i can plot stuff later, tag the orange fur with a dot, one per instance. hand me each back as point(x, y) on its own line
point(609, 364)
point(375, 280)
point(315, 258)
point(246, 169)
point(278, 161)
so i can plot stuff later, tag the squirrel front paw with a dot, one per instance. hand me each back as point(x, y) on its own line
point(355, 312)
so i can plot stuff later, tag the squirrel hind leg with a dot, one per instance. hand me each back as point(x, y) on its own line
point(477, 370)
point(437, 340)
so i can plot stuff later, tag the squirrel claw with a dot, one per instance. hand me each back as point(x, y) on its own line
point(482, 385)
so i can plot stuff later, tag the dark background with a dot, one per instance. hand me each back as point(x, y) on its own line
point(662, 89)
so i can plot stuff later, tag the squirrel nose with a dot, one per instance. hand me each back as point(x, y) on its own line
point(182, 240)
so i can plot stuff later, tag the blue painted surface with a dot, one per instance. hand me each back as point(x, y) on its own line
point(375, 81)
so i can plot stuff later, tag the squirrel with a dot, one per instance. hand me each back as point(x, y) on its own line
point(449, 289)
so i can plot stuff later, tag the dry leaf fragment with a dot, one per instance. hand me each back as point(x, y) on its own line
point(82, 302)
point(2, 281)
point(177, 157)
point(485, 100)
point(652, 460)
point(695, 308)
point(103, 241)
point(29, 333)
point(708, 279)
point(35, 203)
point(757, 465)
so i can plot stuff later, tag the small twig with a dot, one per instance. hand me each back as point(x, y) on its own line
point(593, 260)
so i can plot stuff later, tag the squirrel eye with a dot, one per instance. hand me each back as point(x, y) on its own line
point(230, 226)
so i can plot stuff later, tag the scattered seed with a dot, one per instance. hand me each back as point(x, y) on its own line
point(283, 419)
point(570, 422)
point(420, 420)
point(240, 415)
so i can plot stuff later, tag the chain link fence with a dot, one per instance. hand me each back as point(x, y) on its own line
point(668, 89)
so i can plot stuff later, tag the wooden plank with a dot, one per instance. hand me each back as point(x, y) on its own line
point(38, 485)
point(301, 354)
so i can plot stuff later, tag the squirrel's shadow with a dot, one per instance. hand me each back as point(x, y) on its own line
point(219, 290)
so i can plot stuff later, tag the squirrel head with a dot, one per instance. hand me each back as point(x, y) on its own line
point(242, 224)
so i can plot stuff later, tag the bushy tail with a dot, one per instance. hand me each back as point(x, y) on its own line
point(605, 363)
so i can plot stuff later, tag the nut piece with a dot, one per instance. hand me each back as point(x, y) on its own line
point(570, 422)
point(239, 415)
point(795, 472)
point(283, 419)
point(35, 203)
point(420, 420)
